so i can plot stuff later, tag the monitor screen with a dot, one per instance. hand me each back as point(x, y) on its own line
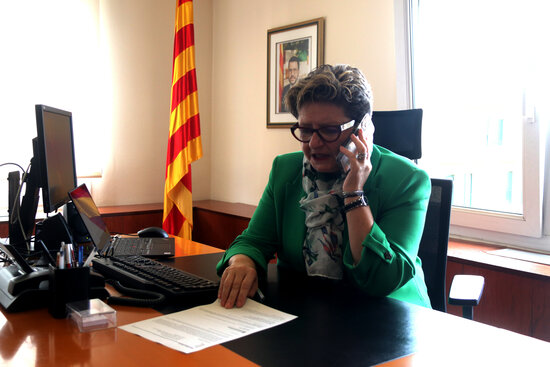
point(89, 213)
point(55, 156)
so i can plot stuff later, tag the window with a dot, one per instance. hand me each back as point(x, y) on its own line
point(50, 55)
point(478, 69)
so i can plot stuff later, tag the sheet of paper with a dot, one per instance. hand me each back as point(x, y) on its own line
point(204, 326)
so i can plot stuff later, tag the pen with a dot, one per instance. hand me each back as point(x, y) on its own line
point(72, 259)
point(61, 258)
point(47, 253)
point(261, 296)
point(67, 255)
point(80, 255)
point(90, 257)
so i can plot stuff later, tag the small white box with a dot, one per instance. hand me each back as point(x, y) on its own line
point(91, 314)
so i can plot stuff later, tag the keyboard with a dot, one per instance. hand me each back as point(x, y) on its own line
point(143, 273)
point(145, 246)
point(131, 246)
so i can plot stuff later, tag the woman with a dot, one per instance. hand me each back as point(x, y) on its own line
point(360, 222)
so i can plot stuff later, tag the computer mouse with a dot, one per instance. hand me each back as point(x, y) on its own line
point(152, 232)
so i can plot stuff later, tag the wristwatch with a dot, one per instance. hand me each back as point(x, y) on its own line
point(361, 201)
point(351, 194)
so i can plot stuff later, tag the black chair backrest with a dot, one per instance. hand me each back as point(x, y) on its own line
point(435, 240)
point(399, 131)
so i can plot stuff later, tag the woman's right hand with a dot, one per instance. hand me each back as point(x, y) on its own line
point(239, 281)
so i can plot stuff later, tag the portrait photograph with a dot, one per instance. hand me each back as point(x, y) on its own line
point(293, 51)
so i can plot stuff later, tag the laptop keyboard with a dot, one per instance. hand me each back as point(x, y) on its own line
point(144, 246)
point(123, 246)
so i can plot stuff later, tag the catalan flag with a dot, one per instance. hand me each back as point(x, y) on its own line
point(184, 143)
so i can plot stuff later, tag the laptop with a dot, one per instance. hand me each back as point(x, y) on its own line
point(107, 245)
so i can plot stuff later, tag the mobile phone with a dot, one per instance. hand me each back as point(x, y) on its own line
point(341, 159)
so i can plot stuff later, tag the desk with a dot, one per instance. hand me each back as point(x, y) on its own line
point(516, 296)
point(335, 326)
point(343, 327)
point(34, 338)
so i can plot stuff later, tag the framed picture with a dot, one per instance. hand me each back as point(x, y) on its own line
point(292, 52)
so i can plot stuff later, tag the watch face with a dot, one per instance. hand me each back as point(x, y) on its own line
point(350, 194)
point(361, 201)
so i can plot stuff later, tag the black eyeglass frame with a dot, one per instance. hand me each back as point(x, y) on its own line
point(343, 127)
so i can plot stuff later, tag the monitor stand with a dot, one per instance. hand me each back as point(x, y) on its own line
point(52, 231)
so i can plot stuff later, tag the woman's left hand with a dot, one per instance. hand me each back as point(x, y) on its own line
point(360, 220)
point(360, 164)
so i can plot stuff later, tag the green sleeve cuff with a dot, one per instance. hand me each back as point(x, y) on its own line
point(376, 242)
point(253, 253)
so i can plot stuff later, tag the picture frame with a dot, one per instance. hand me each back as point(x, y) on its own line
point(292, 52)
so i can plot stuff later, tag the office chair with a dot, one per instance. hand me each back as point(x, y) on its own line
point(399, 131)
point(466, 290)
point(434, 242)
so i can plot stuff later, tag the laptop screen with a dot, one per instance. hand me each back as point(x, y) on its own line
point(89, 213)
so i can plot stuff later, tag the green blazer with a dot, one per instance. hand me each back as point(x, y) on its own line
point(397, 192)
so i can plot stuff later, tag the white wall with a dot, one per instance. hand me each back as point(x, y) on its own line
point(358, 32)
point(231, 56)
point(133, 99)
point(138, 37)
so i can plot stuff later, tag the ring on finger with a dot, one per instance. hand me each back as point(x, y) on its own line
point(360, 156)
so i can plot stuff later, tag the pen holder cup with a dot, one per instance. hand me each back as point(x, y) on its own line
point(67, 285)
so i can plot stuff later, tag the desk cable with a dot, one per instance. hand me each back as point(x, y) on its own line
point(138, 297)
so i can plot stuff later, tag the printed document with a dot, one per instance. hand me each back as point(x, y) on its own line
point(204, 326)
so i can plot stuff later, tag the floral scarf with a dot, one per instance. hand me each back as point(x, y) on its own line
point(324, 221)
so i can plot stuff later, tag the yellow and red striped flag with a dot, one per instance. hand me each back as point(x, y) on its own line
point(184, 143)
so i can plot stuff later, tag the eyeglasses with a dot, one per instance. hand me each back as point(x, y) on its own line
point(327, 133)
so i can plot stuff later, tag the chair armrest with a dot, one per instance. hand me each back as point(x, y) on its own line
point(466, 290)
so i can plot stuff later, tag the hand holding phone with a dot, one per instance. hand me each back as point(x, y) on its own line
point(341, 159)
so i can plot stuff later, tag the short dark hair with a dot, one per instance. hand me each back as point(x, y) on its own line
point(341, 85)
point(294, 59)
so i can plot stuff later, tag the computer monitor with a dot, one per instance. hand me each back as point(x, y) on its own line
point(52, 170)
point(55, 156)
